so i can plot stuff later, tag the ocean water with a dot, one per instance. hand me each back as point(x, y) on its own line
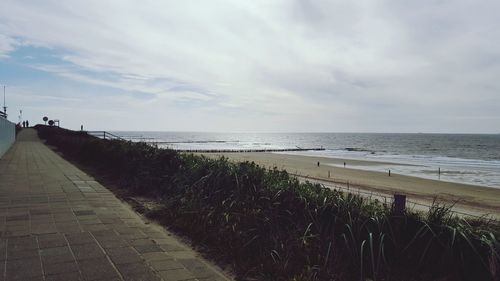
point(464, 158)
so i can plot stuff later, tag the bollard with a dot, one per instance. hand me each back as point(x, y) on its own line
point(399, 204)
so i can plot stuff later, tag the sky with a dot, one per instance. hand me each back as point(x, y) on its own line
point(256, 66)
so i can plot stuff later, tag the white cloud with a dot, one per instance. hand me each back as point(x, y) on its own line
point(293, 62)
point(7, 45)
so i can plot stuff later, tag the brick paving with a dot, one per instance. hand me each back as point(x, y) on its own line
point(58, 223)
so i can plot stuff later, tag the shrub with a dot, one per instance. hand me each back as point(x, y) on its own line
point(271, 226)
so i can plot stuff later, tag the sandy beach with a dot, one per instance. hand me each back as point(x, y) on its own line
point(473, 199)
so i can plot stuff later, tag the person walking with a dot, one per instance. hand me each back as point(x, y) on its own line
point(24, 124)
point(27, 123)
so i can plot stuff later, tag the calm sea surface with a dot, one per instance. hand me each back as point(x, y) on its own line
point(473, 159)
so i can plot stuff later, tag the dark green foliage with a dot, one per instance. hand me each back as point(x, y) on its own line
point(272, 227)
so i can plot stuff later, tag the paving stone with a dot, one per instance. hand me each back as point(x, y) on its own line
point(133, 268)
point(59, 268)
point(51, 240)
point(142, 242)
point(95, 269)
point(89, 221)
point(203, 272)
point(64, 217)
point(165, 265)
point(17, 233)
point(176, 275)
point(55, 251)
point(43, 229)
point(123, 255)
point(23, 269)
point(148, 276)
point(212, 278)
point(105, 235)
point(80, 238)
point(94, 227)
point(56, 255)
point(182, 254)
point(72, 276)
point(87, 251)
point(148, 248)
point(3, 250)
point(172, 248)
point(113, 244)
point(156, 256)
point(18, 218)
point(22, 243)
point(84, 213)
point(191, 263)
point(69, 229)
point(22, 254)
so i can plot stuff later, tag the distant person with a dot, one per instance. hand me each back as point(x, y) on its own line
point(344, 164)
point(318, 163)
point(27, 123)
point(24, 124)
point(81, 128)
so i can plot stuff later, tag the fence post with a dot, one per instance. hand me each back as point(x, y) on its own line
point(399, 204)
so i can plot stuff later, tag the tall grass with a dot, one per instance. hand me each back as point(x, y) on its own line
point(272, 227)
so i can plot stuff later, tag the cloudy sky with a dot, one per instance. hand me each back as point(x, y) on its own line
point(279, 65)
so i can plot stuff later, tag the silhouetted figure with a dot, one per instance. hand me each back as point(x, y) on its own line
point(27, 123)
point(24, 124)
point(81, 128)
point(344, 164)
point(318, 163)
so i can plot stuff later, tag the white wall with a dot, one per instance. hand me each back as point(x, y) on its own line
point(7, 135)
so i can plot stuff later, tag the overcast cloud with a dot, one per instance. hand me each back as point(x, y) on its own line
point(367, 66)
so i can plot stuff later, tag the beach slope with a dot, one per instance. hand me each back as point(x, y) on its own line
point(473, 199)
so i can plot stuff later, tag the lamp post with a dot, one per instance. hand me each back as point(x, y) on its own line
point(4, 106)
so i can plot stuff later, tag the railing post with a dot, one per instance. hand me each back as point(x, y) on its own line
point(399, 204)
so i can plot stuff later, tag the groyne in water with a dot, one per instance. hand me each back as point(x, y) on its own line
point(247, 150)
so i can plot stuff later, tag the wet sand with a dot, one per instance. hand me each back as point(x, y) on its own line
point(477, 200)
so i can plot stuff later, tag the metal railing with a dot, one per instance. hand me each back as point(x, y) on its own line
point(105, 135)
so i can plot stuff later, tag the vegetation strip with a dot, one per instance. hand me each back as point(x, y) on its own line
point(270, 226)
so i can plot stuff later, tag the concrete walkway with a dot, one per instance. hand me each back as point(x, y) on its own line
point(57, 223)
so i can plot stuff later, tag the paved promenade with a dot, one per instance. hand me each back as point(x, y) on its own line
point(57, 223)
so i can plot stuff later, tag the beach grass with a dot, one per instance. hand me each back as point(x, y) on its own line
point(270, 226)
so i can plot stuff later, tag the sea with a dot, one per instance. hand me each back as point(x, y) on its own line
point(463, 158)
